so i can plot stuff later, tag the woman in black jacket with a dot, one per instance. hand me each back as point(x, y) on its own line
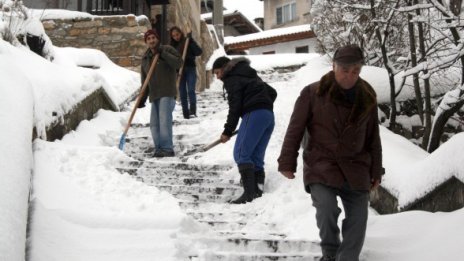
point(189, 74)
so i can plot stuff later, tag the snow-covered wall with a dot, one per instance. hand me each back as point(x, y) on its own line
point(16, 106)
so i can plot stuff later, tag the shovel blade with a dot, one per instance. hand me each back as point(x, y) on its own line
point(122, 141)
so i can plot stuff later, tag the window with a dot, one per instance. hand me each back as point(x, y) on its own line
point(286, 13)
point(302, 49)
point(269, 52)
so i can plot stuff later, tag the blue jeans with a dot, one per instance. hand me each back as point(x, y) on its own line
point(253, 137)
point(187, 91)
point(161, 123)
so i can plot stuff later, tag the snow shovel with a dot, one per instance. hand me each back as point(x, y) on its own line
point(122, 141)
point(181, 70)
point(207, 147)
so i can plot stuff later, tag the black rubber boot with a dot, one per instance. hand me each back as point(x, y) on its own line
point(249, 186)
point(260, 175)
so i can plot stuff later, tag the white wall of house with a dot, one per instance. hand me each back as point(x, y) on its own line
point(287, 47)
point(296, 12)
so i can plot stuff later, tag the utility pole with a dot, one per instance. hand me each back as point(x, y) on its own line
point(218, 19)
point(164, 38)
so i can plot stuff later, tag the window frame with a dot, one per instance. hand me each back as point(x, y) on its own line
point(286, 13)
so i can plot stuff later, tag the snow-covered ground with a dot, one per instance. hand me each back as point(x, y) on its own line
point(82, 208)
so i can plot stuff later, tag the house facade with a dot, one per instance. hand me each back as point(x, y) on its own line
point(286, 13)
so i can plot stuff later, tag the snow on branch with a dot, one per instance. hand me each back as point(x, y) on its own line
point(440, 7)
point(437, 64)
point(407, 9)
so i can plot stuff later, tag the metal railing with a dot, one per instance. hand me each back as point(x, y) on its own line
point(110, 7)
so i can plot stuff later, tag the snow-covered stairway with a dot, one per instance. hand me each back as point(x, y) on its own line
point(203, 191)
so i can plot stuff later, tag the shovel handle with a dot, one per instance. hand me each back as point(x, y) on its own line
point(216, 142)
point(181, 70)
point(142, 91)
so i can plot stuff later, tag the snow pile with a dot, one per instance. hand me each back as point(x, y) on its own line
point(82, 200)
point(16, 115)
point(51, 14)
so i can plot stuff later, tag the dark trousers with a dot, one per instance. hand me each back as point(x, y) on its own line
point(187, 91)
point(253, 137)
point(355, 204)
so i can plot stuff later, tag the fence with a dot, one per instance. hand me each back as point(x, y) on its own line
point(112, 7)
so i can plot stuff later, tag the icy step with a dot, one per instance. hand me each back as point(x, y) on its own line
point(222, 216)
point(251, 234)
point(142, 143)
point(185, 166)
point(144, 138)
point(210, 181)
point(170, 164)
point(195, 199)
point(195, 189)
point(153, 175)
point(224, 226)
point(238, 256)
point(193, 206)
point(256, 245)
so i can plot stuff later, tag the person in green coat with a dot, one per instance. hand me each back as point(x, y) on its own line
point(161, 91)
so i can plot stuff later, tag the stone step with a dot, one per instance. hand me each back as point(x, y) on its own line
point(170, 165)
point(240, 256)
point(139, 143)
point(226, 226)
point(185, 166)
point(230, 216)
point(189, 200)
point(201, 190)
point(153, 175)
point(255, 245)
point(145, 151)
point(192, 206)
point(254, 234)
point(208, 181)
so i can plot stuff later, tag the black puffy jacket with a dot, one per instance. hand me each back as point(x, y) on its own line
point(193, 50)
point(246, 92)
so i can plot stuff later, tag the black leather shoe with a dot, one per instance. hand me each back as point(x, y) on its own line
point(164, 153)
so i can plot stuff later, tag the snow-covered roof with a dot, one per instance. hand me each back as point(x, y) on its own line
point(267, 34)
point(207, 16)
point(230, 13)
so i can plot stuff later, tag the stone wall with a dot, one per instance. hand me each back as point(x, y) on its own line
point(119, 37)
point(84, 110)
point(447, 196)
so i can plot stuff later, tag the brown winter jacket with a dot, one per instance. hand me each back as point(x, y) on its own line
point(344, 142)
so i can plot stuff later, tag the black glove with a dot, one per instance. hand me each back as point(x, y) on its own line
point(189, 35)
point(159, 49)
point(141, 105)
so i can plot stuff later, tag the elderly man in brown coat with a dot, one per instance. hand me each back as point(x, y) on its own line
point(343, 156)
